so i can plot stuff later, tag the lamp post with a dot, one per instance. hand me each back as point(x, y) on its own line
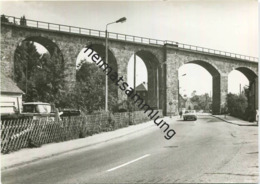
point(179, 92)
point(123, 19)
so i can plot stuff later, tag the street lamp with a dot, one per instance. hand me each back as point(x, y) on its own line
point(123, 19)
point(179, 91)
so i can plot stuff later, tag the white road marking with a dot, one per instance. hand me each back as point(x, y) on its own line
point(127, 163)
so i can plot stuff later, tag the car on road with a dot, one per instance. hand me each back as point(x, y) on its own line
point(190, 115)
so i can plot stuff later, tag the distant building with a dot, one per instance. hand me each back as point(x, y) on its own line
point(11, 96)
point(185, 103)
point(189, 105)
point(182, 102)
point(142, 91)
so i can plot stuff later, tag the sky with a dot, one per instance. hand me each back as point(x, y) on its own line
point(222, 24)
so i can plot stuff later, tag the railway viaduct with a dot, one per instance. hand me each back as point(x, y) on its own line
point(162, 59)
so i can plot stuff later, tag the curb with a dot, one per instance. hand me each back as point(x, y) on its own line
point(230, 122)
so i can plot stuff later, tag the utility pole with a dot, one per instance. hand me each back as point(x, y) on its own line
point(134, 70)
point(26, 76)
point(134, 84)
point(158, 88)
point(106, 89)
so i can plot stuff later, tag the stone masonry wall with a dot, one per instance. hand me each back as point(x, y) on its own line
point(70, 44)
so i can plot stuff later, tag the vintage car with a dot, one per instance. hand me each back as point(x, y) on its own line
point(38, 110)
point(190, 115)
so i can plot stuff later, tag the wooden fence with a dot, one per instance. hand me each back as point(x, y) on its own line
point(18, 134)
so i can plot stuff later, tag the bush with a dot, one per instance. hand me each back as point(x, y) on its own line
point(237, 105)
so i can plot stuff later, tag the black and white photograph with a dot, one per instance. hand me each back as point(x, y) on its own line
point(129, 91)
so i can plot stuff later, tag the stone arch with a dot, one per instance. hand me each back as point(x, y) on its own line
point(24, 69)
point(211, 68)
point(219, 84)
point(250, 74)
point(100, 49)
point(253, 86)
point(154, 80)
point(49, 44)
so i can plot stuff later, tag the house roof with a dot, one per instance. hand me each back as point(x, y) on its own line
point(9, 86)
point(181, 97)
point(141, 87)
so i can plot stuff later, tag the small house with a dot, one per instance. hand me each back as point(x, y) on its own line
point(11, 96)
point(142, 91)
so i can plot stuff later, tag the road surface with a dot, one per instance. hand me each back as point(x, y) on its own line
point(206, 150)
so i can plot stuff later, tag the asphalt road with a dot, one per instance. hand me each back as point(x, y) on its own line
point(206, 150)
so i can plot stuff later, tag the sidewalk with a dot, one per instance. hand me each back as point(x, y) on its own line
point(235, 121)
point(28, 155)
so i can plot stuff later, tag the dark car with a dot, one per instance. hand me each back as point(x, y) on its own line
point(70, 112)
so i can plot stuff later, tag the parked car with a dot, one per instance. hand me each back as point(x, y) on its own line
point(257, 116)
point(70, 112)
point(190, 115)
point(38, 110)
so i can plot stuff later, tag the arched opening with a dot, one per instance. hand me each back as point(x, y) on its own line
point(237, 81)
point(199, 87)
point(141, 72)
point(90, 79)
point(195, 88)
point(39, 70)
point(243, 93)
point(148, 80)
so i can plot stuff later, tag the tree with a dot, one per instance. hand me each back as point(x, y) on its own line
point(44, 77)
point(26, 59)
point(89, 92)
point(202, 102)
point(90, 87)
point(23, 21)
point(250, 113)
point(4, 19)
point(49, 78)
point(40, 76)
point(237, 105)
point(193, 93)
